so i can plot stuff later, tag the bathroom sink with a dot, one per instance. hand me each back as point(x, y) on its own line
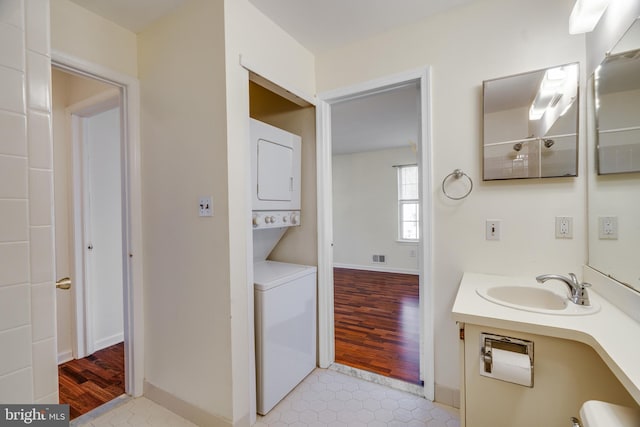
point(529, 298)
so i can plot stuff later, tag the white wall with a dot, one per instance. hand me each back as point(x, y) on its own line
point(284, 61)
point(79, 32)
point(186, 257)
point(197, 267)
point(618, 151)
point(506, 125)
point(466, 45)
point(28, 369)
point(365, 211)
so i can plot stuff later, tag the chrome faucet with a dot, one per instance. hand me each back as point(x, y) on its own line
point(578, 290)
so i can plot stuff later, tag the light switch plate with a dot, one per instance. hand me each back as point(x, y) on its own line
point(564, 227)
point(205, 206)
point(492, 229)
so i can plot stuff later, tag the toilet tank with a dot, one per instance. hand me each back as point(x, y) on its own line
point(595, 413)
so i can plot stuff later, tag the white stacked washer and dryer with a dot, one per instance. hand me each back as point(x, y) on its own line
point(284, 293)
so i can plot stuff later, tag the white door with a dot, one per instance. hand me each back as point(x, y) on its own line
point(89, 228)
point(103, 227)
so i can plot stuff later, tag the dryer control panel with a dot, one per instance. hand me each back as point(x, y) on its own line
point(275, 219)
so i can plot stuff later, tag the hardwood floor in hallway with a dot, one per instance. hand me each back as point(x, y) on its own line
point(377, 322)
point(88, 383)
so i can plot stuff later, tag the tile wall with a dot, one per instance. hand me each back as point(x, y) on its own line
point(28, 371)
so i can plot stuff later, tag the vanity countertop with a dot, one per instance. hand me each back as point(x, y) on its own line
point(610, 332)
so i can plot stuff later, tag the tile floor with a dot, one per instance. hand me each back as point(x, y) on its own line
point(139, 412)
point(329, 398)
point(324, 398)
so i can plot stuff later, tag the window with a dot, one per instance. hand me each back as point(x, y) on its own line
point(408, 203)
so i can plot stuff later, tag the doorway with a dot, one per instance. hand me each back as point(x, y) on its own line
point(90, 250)
point(373, 256)
point(376, 232)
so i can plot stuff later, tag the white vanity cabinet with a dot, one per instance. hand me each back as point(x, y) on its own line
point(577, 356)
point(566, 374)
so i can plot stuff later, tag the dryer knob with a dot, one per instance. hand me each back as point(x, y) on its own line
point(257, 220)
point(295, 218)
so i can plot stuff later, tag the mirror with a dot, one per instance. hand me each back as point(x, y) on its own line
point(617, 90)
point(614, 178)
point(531, 124)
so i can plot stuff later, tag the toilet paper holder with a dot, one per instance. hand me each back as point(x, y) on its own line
point(515, 348)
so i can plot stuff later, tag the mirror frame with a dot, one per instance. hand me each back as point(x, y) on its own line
point(614, 258)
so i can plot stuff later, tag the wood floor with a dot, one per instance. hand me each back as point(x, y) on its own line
point(88, 383)
point(377, 322)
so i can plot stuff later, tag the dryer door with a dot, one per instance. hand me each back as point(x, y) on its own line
point(275, 168)
point(275, 171)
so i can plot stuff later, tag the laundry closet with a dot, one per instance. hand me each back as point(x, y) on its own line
point(283, 194)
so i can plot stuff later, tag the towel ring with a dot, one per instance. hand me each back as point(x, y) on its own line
point(457, 174)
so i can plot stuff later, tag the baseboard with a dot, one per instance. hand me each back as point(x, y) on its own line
point(65, 356)
point(447, 396)
point(382, 268)
point(186, 410)
point(86, 419)
point(108, 341)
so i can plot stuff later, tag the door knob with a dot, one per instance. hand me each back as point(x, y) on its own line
point(64, 283)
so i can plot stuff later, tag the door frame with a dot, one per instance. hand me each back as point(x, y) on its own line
point(326, 336)
point(82, 332)
point(129, 88)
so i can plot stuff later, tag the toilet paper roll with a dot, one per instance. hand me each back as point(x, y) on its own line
point(512, 367)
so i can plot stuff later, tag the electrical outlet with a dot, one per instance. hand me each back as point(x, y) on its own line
point(492, 228)
point(205, 206)
point(608, 227)
point(564, 227)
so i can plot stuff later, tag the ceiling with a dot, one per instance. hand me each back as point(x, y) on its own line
point(511, 91)
point(318, 25)
point(134, 15)
point(321, 25)
point(379, 121)
point(384, 120)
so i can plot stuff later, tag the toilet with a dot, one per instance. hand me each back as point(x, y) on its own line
point(595, 413)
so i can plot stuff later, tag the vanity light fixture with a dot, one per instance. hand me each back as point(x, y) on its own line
point(552, 88)
point(548, 92)
point(585, 15)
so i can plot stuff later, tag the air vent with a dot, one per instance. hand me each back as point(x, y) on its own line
point(379, 259)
